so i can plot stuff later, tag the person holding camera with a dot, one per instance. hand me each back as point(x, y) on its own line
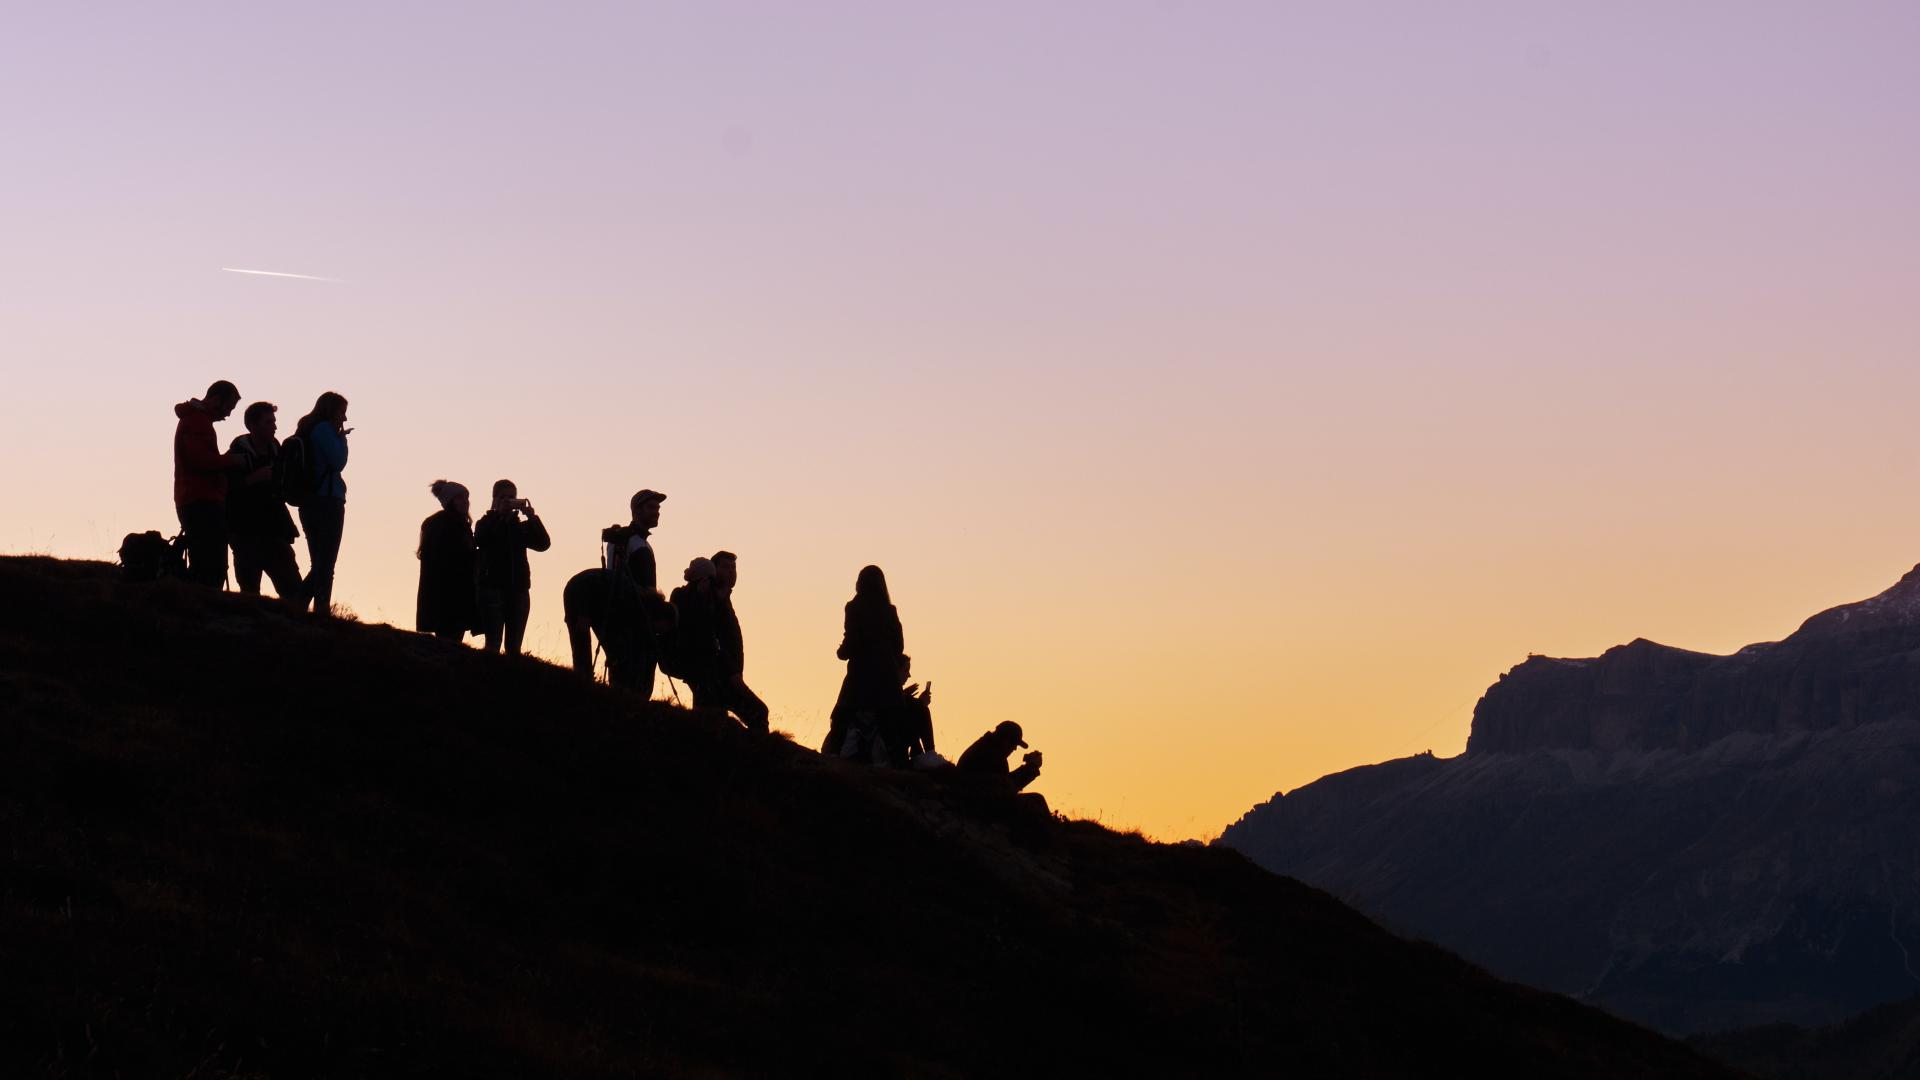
point(989, 753)
point(504, 535)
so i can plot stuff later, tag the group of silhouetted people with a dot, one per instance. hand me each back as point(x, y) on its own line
point(474, 578)
point(240, 498)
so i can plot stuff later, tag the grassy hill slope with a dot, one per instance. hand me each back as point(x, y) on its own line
point(241, 843)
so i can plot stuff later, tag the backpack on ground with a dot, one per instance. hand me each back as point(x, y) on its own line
point(148, 556)
point(293, 471)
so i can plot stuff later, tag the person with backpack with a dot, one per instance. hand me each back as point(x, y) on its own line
point(445, 606)
point(262, 530)
point(200, 482)
point(692, 650)
point(872, 647)
point(639, 617)
point(740, 698)
point(504, 535)
point(313, 460)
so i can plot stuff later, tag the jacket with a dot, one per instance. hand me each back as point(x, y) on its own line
point(504, 540)
point(199, 469)
point(696, 643)
point(256, 511)
point(446, 597)
point(329, 456)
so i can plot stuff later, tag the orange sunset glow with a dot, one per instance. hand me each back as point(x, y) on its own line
point(1230, 392)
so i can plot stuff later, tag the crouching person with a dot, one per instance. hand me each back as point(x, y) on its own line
point(984, 767)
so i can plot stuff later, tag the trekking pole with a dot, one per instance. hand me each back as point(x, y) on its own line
point(672, 689)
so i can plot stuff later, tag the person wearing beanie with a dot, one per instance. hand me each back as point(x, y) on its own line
point(446, 606)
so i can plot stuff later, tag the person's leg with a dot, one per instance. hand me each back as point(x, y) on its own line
point(749, 708)
point(492, 617)
point(518, 604)
point(324, 521)
point(276, 558)
point(246, 565)
point(205, 527)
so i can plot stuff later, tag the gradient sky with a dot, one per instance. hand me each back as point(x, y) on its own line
point(1231, 391)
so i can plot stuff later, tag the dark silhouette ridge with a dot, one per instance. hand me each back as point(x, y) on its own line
point(1880, 1044)
point(447, 864)
point(1694, 841)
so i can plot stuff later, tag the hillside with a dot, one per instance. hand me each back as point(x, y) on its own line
point(1880, 1044)
point(1697, 842)
point(247, 844)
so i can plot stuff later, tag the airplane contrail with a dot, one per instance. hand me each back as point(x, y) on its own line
point(276, 273)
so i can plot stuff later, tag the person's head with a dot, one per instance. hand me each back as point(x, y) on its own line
point(726, 569)
point(221, 397)
point(504, 489)
point(906, 668)
point(645, 507)
point(698, 571)
point(452, 496)
point(260, 419)
point(1008, 734)
point(871, 586)
point(329, 408)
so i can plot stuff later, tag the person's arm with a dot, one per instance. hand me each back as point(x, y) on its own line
point(1027, 773)
point(330, 448)
point(200, 449)
point(537, 538)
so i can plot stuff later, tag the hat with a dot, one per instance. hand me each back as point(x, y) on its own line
point(698, 569)
point(1008, 727)
point(647, 495)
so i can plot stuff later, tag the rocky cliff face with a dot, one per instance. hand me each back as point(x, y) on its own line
point(1693, 841)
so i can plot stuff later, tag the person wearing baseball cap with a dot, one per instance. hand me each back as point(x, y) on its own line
point(989, 753)
point(642, 614)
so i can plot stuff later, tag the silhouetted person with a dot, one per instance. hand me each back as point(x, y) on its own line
point(504, 535)
point(323, 515)
point(446, 606)
point(740, 699)
point(988, 755)
point(696, 637)
point(906, 729)
point(636, 608)
point(200, 482)
point(257, 520)
point(872, 646)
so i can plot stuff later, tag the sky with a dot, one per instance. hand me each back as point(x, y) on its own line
point(1231, 392)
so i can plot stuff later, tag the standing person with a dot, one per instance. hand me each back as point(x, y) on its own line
point(200, 482)
point(740, 699)
point(504, 535)
point(445, 605)
point(262, 530)
point(639, 615)
point(695, 644)
point(323, 438)
point(872, 647)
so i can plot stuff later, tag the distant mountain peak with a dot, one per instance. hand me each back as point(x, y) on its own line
point(1899, 605)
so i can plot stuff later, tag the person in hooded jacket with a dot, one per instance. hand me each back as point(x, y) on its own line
point(445, 606)
point(200, 482)
point(261, 529)
point(504, 535)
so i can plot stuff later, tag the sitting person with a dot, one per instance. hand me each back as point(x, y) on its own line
point(906, 729)
point(989, 753)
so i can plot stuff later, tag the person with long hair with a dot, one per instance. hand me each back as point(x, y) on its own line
point(323, 515)
point(446, 607)
point(872, 647)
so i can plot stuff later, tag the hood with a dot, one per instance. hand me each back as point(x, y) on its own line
point(190, 407)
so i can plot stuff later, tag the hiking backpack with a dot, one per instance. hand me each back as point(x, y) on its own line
point(148, 556)
point(293, 471)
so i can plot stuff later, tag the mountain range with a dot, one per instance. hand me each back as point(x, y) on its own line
point(1693, 841)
